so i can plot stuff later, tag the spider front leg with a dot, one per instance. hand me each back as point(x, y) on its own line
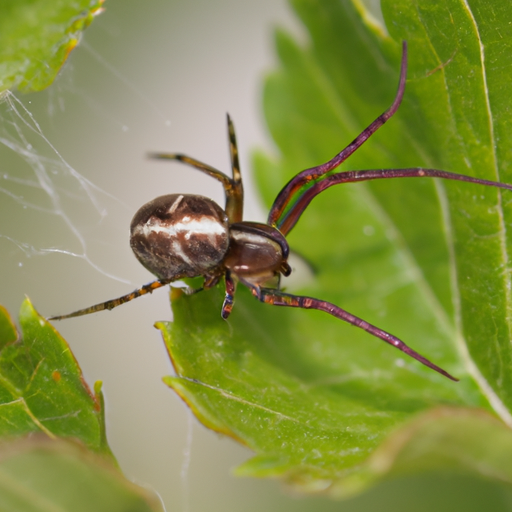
point(227, 305)
point(277, 298)
point(233, 187)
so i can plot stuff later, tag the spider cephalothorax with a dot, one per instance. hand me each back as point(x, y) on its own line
point(177, 235)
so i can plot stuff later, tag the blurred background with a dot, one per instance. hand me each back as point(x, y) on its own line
point(153, 76)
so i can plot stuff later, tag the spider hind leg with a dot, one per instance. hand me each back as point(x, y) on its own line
point(277, 298)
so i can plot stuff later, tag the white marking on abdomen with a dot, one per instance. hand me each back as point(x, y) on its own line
point(175, 205)
point(177, 249)
point(205, 225)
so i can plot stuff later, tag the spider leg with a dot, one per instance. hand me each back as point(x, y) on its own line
point(227, 306)
point(307, 178)
point(110, 304)
point(235, 206)
point(292, 215)
point(200, 166)
point(277, 298)
point(233, 187)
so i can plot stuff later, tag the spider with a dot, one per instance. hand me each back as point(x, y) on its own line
point(177, 236)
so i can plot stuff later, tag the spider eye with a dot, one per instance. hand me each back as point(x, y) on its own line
point(179, 235)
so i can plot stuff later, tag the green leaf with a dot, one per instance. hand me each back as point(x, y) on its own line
point(318, 400)
point(36, 38)
point(473, 133)
point(38, 475)
point(65, 462)
point(454, 440)
point(42, 388)
point(8, 332)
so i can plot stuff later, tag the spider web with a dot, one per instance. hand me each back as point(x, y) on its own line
point(50, 208)
point(37, 187)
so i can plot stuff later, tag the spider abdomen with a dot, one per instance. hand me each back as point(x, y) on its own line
point(179, 235)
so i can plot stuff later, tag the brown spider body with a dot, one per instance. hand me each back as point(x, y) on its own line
point(179, 235)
